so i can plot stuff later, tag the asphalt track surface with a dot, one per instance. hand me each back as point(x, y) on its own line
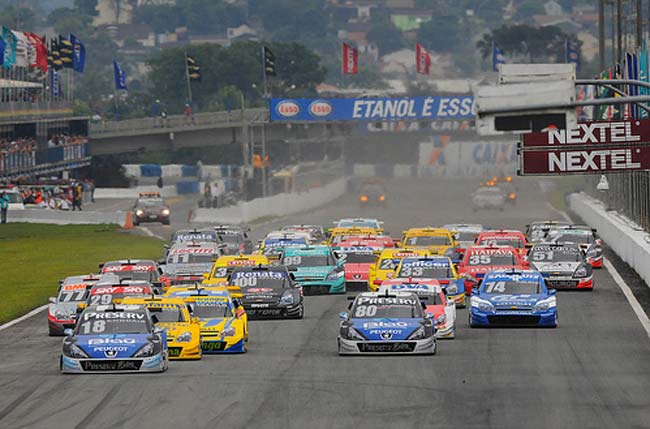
point(592, 371)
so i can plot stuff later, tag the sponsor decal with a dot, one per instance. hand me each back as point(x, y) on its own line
point(260, 274)
point(386, 335)
point(114, 268)
point(114, 316)
point(193, 251)
point(287, 109)
point(585, 161)
point(94, 341)
point(320, 108)
point(74, 287)
point(592, 134)
point(259, 290)
point(382, 324)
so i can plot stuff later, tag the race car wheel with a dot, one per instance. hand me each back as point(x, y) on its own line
point(60, 362)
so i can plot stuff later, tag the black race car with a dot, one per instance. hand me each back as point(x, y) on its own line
point(234, 239)
point(268, 292)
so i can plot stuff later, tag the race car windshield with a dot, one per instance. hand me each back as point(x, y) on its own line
point(371, 311)
point(546, 254)
point(438, 271)
point(146, 276)
point(191, 258)
point(496, 241)
point(358, 224)
point(510, 287)
point(260, 279)
point(466, 236)
point(211, 310)
point(73, 294)
point(477, 260)
point(171, 314)
point(108, 298)
point(308, 261)
point(428, 240)
point(150, 204)
point(113, 323)
point(360, 258)
point(572, 237)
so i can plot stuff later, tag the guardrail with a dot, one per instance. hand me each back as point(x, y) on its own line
point(17, 162)
point(158, 124)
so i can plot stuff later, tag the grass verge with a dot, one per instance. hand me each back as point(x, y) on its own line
point(33, 257)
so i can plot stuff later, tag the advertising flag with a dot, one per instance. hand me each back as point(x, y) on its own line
point(497, 57)
point(55, 83)
point(350, 59)
point(22, 44)
point(40, 59)
point(572, 55)
point(3, 46)
point(10, 48)
point(78, 54)
point(120, 77)
point(422, 59)
point(67, 55)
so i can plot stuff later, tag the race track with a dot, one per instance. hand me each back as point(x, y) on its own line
point(593, 371)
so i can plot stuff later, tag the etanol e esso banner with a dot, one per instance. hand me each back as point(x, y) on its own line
point(372, 109)
point(585, 161)
point(593, 133)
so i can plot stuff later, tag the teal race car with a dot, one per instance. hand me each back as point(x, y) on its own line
point(317, 269)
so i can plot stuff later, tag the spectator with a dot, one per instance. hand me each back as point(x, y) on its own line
point(188, 115)
point(77, 196)
point(159, 183)
point(91, 186)
point(207, 194)
point(163, 117)
point(155, 112)
point(4, 207)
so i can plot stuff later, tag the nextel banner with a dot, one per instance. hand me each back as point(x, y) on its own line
point(633, 131)
point(372, 109)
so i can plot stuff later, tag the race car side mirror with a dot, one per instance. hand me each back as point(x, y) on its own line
point(100, 266)
point(429, 315)
point(60, 282)
point(451, 303)
point(68, 332)
point(195, 320)
point(343, 315)
point(154, 319)
point(52, 300)
point(552, 292)
point(206, 276)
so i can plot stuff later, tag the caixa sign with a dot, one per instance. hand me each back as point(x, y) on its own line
point(373, 109)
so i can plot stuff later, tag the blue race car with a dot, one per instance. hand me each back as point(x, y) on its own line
point(387, 323)
point(513, 298)
point(114, 338)
point(318, 271)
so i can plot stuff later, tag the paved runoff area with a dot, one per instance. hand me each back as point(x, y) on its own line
point(592, 371)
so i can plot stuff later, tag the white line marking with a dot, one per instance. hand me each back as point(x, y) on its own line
point(561, 212)
point(638, 310)
point(150, 234)
point(34, 312)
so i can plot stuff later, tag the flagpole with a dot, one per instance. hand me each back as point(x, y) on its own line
point(264, 74)
point(187, 78)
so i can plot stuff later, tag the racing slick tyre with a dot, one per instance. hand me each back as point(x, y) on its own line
point(302, 312)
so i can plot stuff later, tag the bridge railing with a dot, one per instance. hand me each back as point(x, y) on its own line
point(146, 125)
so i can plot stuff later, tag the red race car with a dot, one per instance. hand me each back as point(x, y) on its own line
point(481, 259)
point(133, 269)
point(504, 237)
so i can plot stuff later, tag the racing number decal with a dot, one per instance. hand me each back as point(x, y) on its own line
point(292, 260)
point(480, 259)
point(95, 327)
point(365, 311)
point(67, 296)
point(182, 258)
point(412, 272)
point(388, 264)
point(101, 299)
point(540, 256)
point(495, 287)
point(221, 272)
point(246, 281)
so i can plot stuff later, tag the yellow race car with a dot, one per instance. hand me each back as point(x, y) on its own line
point(183, 330)
point(224, 323)
point(183, 290)
point(438, 241)
point(224, 265)
point(387, 262)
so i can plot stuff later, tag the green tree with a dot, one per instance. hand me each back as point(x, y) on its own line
point(441, 33)
point(86, 7)
point(18, 18)
point(386, 36)
point(528, 9)
point(66, 21)
point(162, 18)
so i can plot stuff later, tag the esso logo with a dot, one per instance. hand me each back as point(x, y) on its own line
point(288, 108)
point(320, 108)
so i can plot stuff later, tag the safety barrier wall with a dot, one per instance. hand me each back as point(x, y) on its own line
point(178, 170)
point(623, 236)
point(275, 206)
point(132, 193)
point(62, 217)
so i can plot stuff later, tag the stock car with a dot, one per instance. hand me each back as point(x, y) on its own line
point(536, 232)
point(438, 241)
point(504, 237)
point(114, 338)
point(183, 330)
point(513, 298)
point(489, 198)
point(360, 223)
point(188, 262)
point(268, 292)
point(582, 235)
point(73, 290)
point(388, 323)
point(372, 194)
point(437, 304)
point(234, 238)
point(273, 245)
point(479, 260)
point(316, 232)
point(106, 293)
point(357, 264)
point(563, 265)
point(317, 269)
point(225, 264)
point(150, 207)
point(465, 234)
point(337, 235)
point(224, 323)
point(438, 268)
point(387, 263)
point(133, 269)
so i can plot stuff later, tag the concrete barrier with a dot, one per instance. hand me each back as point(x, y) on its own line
point(132, 193)
point(625, 238)
point(62, 217)
point(275, 206)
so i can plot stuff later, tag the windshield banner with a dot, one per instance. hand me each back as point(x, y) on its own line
point(372, 109)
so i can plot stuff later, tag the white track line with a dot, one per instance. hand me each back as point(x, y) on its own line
point(151, 234)
point(32, 313)
point(634, 303)
point(638, 310)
